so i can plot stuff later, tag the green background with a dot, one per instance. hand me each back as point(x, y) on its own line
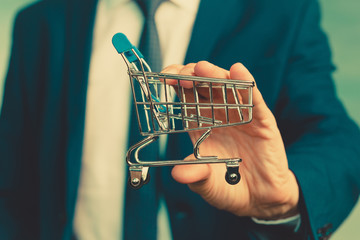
point(341, 22)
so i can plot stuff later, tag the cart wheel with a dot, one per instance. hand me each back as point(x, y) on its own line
point(135, 183)
point(232, 178)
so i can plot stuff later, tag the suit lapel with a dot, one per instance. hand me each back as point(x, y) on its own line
point(213, 23)
point(79, 29)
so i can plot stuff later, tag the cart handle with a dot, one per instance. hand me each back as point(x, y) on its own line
point(123, 45)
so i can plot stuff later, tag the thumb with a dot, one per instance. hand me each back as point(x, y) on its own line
point(191, 173)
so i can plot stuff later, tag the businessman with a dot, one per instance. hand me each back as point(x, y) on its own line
point(63, 133)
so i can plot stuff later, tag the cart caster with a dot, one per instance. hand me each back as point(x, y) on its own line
point(232, 175)
point(232, 178)
point(135, 183)
point(138, 177)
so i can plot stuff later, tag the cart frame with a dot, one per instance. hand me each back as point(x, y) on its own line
point(158, 112)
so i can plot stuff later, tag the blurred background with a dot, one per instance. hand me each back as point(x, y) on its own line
point(341, 22)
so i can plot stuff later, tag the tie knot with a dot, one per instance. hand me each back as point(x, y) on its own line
point(149, 7)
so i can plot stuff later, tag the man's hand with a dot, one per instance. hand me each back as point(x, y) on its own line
point(268, 189)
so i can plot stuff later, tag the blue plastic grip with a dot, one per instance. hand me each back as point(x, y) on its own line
point(123, 45)
point(161, 108)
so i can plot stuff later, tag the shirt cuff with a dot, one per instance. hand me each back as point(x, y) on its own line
point(294, 222)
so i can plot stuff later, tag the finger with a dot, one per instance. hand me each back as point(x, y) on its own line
point(182, 70)
point(239, 72)
point(187, 70)
point(260, 110)
point(206, 69)
point(192, 173)
point(171, 69)
point(174, 69)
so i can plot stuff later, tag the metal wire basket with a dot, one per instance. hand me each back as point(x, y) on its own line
point(171, 103)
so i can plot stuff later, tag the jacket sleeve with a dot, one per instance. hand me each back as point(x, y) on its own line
point(322, 142)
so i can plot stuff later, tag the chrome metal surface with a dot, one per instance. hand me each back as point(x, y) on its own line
point(209, 103)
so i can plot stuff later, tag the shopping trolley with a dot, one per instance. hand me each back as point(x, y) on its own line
point(164, 105)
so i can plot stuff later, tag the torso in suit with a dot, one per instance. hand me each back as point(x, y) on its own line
point(42, 120)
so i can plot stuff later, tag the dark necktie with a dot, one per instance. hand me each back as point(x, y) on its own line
point(150, 48)
point(149, 42)
point(141, 205)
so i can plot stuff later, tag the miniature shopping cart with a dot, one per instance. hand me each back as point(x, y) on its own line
point(164, 106)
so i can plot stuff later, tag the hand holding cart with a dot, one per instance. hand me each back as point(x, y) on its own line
point(164, 106)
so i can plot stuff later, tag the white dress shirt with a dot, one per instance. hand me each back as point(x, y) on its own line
point(99, 207)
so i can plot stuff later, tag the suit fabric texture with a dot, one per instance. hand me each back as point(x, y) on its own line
point(42, 121)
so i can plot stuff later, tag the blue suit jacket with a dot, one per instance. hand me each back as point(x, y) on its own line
point(42, 120)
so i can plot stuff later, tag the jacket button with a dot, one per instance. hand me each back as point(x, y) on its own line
point(181, 215)
point(183, 211)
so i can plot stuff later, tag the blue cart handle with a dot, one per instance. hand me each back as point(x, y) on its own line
point(123, 45)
